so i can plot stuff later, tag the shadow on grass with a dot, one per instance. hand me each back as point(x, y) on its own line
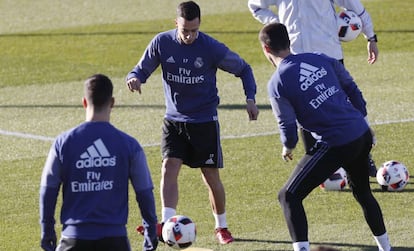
point(222, 107)
point(375, 187)
point(341, 246)
point(406, 190)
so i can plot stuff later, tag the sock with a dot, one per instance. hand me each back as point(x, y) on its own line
point(166, 213)
point(220, 219)
point(382, 242)
point(301, 246)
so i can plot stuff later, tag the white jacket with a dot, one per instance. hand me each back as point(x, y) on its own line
point(311, 24)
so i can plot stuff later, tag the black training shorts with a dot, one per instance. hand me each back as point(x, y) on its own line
point(196, 144)
point(120, 243)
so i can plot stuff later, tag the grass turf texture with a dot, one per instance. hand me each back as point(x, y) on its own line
point(46, 56)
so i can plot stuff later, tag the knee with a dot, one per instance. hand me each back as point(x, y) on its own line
point(282, 196)
point(287, 198)
point(170, 168)
point(362, 195)
point(172, 163)
point(211, 177)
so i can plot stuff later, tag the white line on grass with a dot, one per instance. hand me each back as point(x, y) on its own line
point(25, 135)
point(393, 121)
point(45, 138)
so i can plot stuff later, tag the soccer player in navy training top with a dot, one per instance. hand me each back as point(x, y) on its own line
point(189, 60)
point(317, 92)
point(316, 31)
point(93, 163)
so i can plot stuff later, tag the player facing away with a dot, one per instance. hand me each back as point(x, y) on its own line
point(317, 92)
point(315, 31)
point(93, 164)
point(189, 60)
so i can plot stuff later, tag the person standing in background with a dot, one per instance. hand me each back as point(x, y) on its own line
point(312, 25)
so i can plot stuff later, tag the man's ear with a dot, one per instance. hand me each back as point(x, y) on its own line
point(267, 48)
point(112, 102)
point(84, 102)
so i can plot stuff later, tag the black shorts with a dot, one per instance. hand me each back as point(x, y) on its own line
point(119, 243)
point(196, 144)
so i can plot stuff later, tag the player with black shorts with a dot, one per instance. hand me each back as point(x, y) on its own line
point(197, 144)
point(189, 60)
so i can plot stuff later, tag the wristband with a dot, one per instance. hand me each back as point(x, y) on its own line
point(373, 39)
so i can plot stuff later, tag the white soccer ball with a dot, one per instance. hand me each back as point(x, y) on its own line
point(393, 176)
point(179, 232)
point(336, 182)
point(349, 25)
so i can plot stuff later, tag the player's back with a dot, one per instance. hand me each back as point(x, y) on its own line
point(314, 85)
point(95, 169)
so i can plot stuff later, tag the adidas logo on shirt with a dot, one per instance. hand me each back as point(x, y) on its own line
point(96, 155)
point(309, 74)
point(170, 60)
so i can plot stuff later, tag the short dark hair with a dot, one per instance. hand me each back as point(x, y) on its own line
point(98, 90)
point(189, 10)
point(275, 36)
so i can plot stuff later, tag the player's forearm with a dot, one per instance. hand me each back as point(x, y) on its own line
point(261, 11)
point(249, 83)
point(47, 203)
point(146, 203)
point(233, 63)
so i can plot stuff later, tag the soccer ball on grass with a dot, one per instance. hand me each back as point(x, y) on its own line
point(179, 232)
point(349, 25)
point(392, 176)
point(336, 182)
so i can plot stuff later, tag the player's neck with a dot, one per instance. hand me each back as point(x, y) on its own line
point(94, 116)
point(281, 55)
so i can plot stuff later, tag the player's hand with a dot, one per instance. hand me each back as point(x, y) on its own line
point(134, 84)
point(48, 241)
point(287, 154)
point(372, 52)
point(252, 109)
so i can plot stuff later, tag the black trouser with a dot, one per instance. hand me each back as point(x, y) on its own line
point(315, 167)
point(307, 139)
point(105, 244)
